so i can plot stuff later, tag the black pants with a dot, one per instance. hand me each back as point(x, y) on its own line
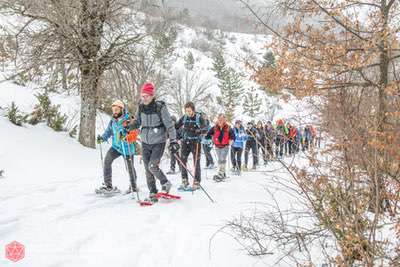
point(251, 145)
point(292, 146)
point(152, 155)
point(279, 144)
point(191, 147)
point(173, 161)
point(270, 153)
point(111, 155)
point(236, 157)
point(286, 145)
point(207, 152)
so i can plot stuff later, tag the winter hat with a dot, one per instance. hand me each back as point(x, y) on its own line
point(118, 103)
point(148, 88)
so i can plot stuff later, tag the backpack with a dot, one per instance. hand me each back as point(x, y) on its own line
point(159, 106)
point(198, 116)
point(198, 119)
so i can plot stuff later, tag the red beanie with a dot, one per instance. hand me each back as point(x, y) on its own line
point(148, 88)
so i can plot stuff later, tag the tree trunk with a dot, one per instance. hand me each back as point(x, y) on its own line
point(89, 82)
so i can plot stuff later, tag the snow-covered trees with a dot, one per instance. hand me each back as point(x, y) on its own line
point(252, 103)
point(230, 85)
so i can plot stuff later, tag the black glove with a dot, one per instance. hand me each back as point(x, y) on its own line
point(126, 126)
point(100, 139)
point(174, 147)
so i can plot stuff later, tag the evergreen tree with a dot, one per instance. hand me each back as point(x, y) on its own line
point(189, 61)
point(15, 116)
point(231, 87)
point(252, 103)
point(229, 84)
point(219, 65)
point(45, 111)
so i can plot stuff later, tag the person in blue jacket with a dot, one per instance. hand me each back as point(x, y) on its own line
point(237, 146)
point(117, 129)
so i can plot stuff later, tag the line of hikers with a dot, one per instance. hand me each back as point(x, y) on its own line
point(191, 134)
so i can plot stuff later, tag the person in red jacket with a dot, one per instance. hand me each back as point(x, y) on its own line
point(292, 139)
point(222, 136)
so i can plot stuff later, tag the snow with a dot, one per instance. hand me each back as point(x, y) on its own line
point(47, 203)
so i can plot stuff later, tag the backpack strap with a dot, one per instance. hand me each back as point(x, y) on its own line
point(198, 119)
point(159, 106)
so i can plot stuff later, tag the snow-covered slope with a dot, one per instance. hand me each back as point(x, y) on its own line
point(47, 203)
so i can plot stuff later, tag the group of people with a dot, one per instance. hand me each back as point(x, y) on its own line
point(191, 134)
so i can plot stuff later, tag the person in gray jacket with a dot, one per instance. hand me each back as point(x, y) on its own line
point(155, 122)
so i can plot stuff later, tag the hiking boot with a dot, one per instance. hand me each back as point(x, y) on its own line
point(166, 187)
point(184, 185)
point(196, 185)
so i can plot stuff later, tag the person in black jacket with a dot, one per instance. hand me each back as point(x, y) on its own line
point(251, 144)
point(261, 142)
point(173, 159)
point(193, 126)
point(208, 146)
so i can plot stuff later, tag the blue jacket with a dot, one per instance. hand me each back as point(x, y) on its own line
point(299, 135)
point(239, 137)
point(117, 131)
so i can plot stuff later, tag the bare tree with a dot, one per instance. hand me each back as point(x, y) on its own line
point(90, 35)
point(188, 86)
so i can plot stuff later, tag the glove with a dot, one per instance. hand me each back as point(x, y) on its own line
point(174, 147)
point(120, 136)
point(125, 124)
point(99, 139)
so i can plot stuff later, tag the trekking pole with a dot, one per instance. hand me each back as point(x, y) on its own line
point(127, 165)
point(101, 157)
point(202, 188)
point(195, 161)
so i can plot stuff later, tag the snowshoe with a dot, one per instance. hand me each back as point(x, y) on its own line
point(150, 200)
point(107, 191)
point(166, 196)
point(219, 177)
